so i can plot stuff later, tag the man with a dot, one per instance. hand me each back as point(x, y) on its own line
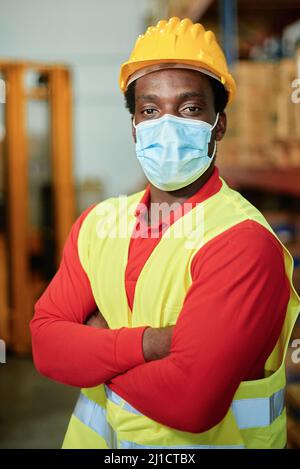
point(193, 288)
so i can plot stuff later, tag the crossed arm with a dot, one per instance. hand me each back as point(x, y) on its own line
point(156, 342)
point(66, 349)
point(184, 377)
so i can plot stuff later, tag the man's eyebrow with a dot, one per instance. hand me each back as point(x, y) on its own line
point(192, 94)
point(147, 97)
point(181, 96)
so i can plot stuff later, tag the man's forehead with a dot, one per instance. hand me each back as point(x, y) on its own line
point(179, 82)
point(172, 74)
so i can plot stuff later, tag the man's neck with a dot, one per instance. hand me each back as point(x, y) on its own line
point(180, 195)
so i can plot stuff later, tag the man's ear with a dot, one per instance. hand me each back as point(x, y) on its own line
point(221, 126)
point(133, 130)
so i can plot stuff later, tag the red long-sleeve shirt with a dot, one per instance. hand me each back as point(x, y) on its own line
point(230, 321)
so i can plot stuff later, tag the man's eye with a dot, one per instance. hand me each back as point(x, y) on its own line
point(148, 111)
point(192, 109)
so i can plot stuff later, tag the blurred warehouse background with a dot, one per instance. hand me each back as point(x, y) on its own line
point(65, 143)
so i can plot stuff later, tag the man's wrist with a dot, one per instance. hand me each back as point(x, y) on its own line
point(157, 342)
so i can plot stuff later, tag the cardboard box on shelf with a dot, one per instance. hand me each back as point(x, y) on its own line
point(246, 71)
point(288, 111)
point(252, 117)
point(295, 153)
point(263, 123)
point(286, 154)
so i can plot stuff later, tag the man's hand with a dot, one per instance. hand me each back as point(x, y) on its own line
point(97, 320)
point(157, 342)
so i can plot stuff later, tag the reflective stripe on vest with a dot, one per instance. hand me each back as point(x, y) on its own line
point(131, 445)
point(249, 413)
point(258, 412)
point(94, 416)
point(116, 399)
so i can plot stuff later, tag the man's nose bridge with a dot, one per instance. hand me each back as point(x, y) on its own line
point(170, 108)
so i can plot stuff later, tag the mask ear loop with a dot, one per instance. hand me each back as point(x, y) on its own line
point(216, 121)
point(214, 152)
point(215, 146)
point(133, 122)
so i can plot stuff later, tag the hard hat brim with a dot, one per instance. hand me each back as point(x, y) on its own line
point(131, 71)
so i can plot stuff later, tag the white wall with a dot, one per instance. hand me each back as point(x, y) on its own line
point(94, 37)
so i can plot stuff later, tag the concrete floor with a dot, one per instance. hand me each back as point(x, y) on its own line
point(34, 411)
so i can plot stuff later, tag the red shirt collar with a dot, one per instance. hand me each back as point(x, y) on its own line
point(211, 187)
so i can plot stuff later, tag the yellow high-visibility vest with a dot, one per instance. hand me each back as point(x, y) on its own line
point(102, 419)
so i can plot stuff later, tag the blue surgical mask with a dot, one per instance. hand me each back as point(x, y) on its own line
point(173, 151)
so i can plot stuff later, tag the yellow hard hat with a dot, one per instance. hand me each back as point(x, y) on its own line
point(177, 43)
